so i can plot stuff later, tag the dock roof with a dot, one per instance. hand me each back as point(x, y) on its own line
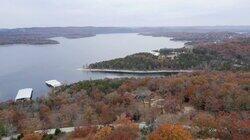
point(24, 94)
point(53, 83)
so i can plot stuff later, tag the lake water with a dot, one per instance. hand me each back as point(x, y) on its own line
point(24, 66)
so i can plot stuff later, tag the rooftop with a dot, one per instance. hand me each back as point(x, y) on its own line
point(24, 94)
point(53, 83)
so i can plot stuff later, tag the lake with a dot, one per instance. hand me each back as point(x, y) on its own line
point(28, 66)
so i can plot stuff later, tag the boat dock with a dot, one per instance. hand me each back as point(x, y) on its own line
point(53, 83)
point(24, 94)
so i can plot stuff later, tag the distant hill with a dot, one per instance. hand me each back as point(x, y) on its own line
point(42, 35)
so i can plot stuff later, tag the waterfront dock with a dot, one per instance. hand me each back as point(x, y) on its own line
point(53, 83)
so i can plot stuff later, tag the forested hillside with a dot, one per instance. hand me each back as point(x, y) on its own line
point(229, 55)
point(197, 105)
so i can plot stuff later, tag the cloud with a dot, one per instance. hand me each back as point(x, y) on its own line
point(27, 13)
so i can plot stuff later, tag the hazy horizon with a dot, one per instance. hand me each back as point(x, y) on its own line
point(215, 26)
point(129, 13)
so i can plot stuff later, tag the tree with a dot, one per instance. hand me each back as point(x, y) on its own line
point(103, 133)
point(172, 104)
point(84, 132)
point(3, 130)
point(232, 126)
point(106, 115)
point(170, 132)
point(68, 113)
point(30, 125)
point(207, 125)
point(89, 114)
point(124, 133)
point(58, 131)
point(33, 136)
point(44, 114)
point(125, 129)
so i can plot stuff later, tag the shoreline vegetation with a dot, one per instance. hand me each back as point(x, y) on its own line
point(232, 54)
point(136, 71)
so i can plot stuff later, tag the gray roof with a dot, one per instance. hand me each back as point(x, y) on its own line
point(24, 94)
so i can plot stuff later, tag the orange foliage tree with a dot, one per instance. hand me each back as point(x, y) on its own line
point(125, 129)
point(207, 125)
point(103, 133)
point(84, 132)
point(232, 126)
point(124, 133)
point(33, 136)
point(170, 132)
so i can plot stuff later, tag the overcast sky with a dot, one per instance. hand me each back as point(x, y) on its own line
point(30, 13)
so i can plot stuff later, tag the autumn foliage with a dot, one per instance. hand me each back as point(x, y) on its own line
point(33, 136)
point(125, 129)
point(103, 133)
point(170, 132)
point(122, 129)
point(84, 132)
point(222, 97)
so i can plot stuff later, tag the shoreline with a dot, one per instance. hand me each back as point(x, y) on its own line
point(136, 71)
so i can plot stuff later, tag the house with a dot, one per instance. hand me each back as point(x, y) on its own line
point(143, 125)
point(155, 53)
point(172, 55)
point(24, 94)
point(142, 94)
point(159, 103)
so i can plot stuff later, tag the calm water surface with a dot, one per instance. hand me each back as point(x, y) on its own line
point(24, 66)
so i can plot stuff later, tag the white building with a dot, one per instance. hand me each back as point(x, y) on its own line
point(143, 125)
point(172, 55)
point(155, 53)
